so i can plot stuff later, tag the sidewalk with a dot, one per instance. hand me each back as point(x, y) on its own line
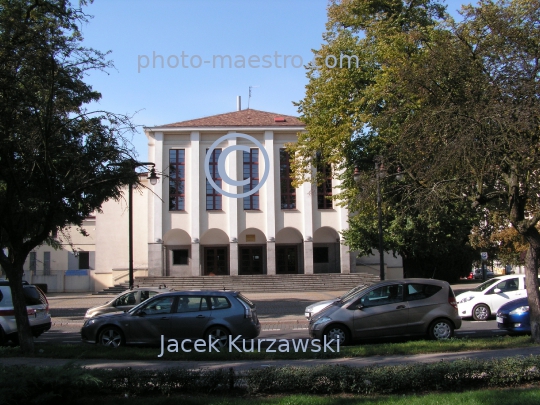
point(245, 365)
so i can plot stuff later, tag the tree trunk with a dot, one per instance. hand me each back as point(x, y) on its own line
point(531, 282)
point(26, 339)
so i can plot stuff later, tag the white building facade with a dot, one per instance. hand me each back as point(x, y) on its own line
point(184, 227)
point(195, 230)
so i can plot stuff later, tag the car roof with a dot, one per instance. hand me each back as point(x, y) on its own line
point(410, 281)
point(204, 292)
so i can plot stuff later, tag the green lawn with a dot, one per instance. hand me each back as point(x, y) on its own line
point(88, 351)
point(527, 396)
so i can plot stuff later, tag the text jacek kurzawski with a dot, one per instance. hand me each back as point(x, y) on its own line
point(248, 345)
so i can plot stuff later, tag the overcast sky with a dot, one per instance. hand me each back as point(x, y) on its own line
point(168, 56)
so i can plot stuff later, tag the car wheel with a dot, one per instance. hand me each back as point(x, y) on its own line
point(338, 333)
point(481, 312)
point(219, 333)
point(441, 329)
point(111, 336)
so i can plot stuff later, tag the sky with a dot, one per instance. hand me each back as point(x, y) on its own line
point(168, 56)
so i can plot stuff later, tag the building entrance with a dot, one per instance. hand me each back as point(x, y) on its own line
point(286, 259)
point(216, 261)
point(251, 260)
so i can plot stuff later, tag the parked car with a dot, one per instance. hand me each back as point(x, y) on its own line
point(37, 308)
point(488, 297)
point(125, 301)
point(477, 274)
point(319, 306)
point(177, 315)
point(514, 316)
point(390, 308)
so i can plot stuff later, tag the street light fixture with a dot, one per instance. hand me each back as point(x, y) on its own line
point(379, 171)
point(153, 181)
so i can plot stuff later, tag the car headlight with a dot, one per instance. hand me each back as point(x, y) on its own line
point(321, 321)
point(520, 310)
point(89, 322)
point(465, 299)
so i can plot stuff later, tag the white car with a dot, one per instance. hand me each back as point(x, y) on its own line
point(37, 308)
point(488, 297)
point(319, 306)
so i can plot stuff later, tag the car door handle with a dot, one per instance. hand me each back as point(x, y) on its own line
point(400, 307)
point(201, 316)
point(164, 318)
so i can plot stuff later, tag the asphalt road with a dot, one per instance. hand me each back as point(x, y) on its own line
point(281, 316)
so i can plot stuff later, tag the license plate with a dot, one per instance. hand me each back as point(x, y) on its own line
point(500, 320)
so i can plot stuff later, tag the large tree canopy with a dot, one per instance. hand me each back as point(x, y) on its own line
point(55, 156)
point(453, 105)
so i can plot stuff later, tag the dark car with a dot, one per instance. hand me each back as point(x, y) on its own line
point(514, 316)
point(180, 315)
point(390, 308)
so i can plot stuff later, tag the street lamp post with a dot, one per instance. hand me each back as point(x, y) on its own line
point(153, 180)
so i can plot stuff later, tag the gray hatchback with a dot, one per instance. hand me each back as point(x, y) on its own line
point(391, 308)
point(180, 315)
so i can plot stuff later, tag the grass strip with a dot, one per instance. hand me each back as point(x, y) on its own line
point(514, 396)
point(88, 351)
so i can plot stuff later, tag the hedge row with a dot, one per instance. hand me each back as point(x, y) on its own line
point(34, 385)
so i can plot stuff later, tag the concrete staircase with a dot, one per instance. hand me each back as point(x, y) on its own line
point(115, 290)
point(262, 283)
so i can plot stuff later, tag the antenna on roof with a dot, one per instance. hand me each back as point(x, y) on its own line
point(249, 98)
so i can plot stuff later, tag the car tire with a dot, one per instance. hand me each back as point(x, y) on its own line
point(220, 333)
point(481, 312)
point(338, 332)
point(441, 329)
point(111, 336)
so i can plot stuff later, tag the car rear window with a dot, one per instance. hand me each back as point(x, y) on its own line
point(245, 300)
point(421, 291)
point(32, 296)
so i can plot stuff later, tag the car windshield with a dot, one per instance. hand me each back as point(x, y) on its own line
point(486, 285)
point(352, 291)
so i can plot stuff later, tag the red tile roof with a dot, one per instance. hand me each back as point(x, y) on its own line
point(242, 118)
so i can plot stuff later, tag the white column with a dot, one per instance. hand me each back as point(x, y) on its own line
point(232, 210)
point(195, 178)
point(271, 204)
point(155, 210)
point(307, 216)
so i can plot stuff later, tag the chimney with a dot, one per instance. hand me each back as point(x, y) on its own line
point(238, 103)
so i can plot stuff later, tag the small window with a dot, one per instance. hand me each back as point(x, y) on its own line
point(320, 255)
point(147, 294)
point(220, 303)
point(180, 256)
point(192, 304)
point(126, 299)
point(33, 262)
point(159, 306)
point(388, 294)
point(32, 296)
point(421, 291)
point(47, 263)
point(84, 260)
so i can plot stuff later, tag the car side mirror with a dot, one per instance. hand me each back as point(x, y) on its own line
point(360, 306)
point(497, 290)
point(140, 313)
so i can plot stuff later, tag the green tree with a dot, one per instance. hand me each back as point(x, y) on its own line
point(55, 155)
point(455, 105)
point(342, 108)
